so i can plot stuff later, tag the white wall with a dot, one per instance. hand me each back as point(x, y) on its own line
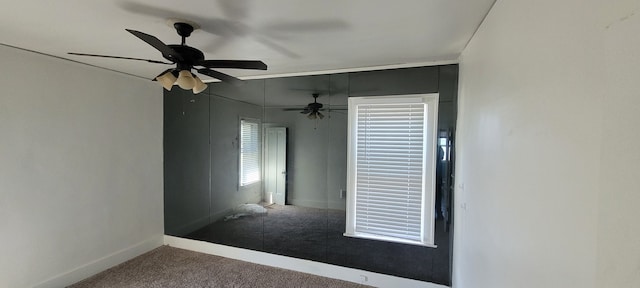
point(619, 193)
point(547, 163)
point(80, 169)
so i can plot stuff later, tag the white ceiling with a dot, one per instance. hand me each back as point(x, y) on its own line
point(290, 36)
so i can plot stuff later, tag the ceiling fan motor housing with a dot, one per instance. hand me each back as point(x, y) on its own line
point(191, 56)
point(183, 29)
point(315, 106)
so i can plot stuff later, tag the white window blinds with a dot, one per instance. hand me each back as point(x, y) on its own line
point(390, 186)
point(249, 152)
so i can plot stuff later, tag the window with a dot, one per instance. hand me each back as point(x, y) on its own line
point(249, 151)
point(392, 160)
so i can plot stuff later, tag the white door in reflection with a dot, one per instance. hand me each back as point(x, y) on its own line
point(275, 161)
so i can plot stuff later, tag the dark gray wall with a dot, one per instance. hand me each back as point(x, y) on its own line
point(416, 262)
point(186, 161)
point(394, 82)
point(201, 154)
point(224, 126)
point(201, 158)
point(432, 79)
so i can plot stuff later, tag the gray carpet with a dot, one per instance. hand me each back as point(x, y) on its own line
point(172, 267)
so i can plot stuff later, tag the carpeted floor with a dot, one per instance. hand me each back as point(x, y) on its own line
point(173, 267)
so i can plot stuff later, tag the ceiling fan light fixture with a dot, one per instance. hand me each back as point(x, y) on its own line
point(167, 80)
point(185, 80)
point(199, 86)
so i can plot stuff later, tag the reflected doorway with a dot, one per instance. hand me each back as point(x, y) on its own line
point(275, 165)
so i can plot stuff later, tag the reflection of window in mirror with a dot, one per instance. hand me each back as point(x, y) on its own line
point(391, 168)
point(249, 151)
point(444, 149)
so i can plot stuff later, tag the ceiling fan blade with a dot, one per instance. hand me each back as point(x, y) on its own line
point(237, 64)
point(156, 43)
point(215, 26)
point(219, 43)
point(235, 9)
point(307, 26)
point(293, 109)
point(220, 76)
point(118, 57)
point(148, 10)
point(277, 47)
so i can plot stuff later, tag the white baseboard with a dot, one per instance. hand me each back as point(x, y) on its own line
point(101, 264)
point(300, 265)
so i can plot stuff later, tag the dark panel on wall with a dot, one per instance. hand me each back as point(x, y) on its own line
point(394, 82)
point(447, 122)
point(229, 104)
point(448, 86)
point(448, 90)
point(251, 91)
point(186, 161)
point(296, 90)
point(409, 261)
point(312, 228)
point(303, 232)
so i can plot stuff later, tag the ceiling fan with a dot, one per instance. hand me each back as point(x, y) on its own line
point(312, 109)
point(186, 58)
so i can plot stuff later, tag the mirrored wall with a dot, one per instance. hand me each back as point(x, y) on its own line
point(263, 166)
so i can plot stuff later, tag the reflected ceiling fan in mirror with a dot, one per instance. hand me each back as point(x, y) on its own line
point(312, 110)
point(186, 58)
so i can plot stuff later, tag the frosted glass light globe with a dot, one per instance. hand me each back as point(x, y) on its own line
point(167, 80)
point(185, 80)
point(200, 86)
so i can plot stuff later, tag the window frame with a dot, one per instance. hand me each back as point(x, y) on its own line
point(428, 169)
point(258, 147)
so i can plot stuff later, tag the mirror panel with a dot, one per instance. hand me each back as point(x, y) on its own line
point(297, 227)
point(336, 175)
point(235, 210)
point(186, 162)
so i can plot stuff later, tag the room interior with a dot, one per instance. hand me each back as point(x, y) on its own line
point(543, 197)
